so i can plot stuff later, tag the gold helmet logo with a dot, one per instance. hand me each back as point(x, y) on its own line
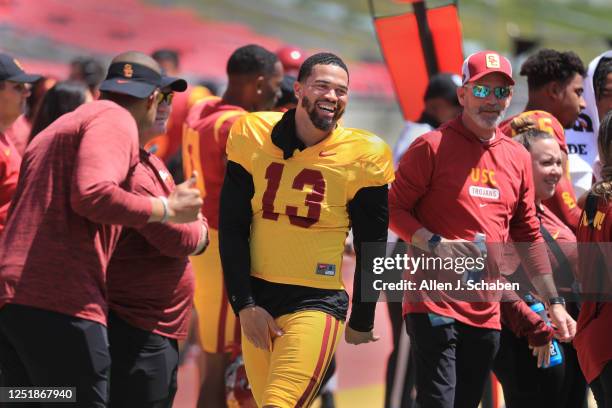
point(128, 71)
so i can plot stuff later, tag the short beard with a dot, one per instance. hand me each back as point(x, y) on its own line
point(486, 123)
point(320, 123)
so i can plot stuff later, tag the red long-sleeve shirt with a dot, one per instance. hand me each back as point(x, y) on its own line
point(593, 338)
point(150, 280)
point(10, 160)
point(456, 186)
point(58, 238)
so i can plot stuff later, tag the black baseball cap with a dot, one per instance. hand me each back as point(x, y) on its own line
point(137, 80)
point(11, 70)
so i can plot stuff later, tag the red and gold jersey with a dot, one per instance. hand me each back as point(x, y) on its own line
point(300, 214)
point(563, 203)
point(544, 121)
point(205, 134)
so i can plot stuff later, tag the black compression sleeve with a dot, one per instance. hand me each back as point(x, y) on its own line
point(369, 213)
point(234, 232)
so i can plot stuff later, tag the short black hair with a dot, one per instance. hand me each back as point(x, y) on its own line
point(166, 54)
point(93, 71)
point(322, 58)
point(604, 68)
point(548, 66)
point(251, 59)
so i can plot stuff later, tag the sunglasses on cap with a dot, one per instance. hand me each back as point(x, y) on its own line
point(163, 96)
point(482, 91)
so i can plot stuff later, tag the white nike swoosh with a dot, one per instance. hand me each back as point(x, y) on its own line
point(483, 205)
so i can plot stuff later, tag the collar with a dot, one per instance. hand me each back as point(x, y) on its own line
point(284, 135)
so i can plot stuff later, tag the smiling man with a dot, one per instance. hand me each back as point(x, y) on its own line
point(490, 178)
point(303, 180)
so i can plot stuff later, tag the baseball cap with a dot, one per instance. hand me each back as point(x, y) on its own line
point(11, 70)
point(137, 80)
point(482, 63)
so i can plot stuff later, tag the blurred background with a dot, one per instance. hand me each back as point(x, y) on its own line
point(45, 35)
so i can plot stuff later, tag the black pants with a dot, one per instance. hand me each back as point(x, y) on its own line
point(526, 385)
point(602, 387)
point(401, 370)
point(453, 361)
point(41, 348)
point(144, 366)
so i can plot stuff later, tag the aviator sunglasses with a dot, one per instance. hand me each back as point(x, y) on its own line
point(482, 91)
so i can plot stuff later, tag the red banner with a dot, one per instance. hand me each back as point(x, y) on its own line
point(401, 46)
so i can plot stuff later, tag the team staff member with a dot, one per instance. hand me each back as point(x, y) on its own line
point(555, 83)
point(150, 290)
point(562, 385)
point(593, 336)
point(254, 78)
point(59, 236)
point(489, 177)
point(303, 179)
point(13, 93)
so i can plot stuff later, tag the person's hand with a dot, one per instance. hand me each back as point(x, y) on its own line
point(542, 353)
point(352, 336)
point(565, 326)
point(184, 202)
point(259, 326)
point(447, 248)
point(457, 248)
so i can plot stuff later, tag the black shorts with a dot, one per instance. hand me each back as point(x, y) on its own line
point(42, 348)
point(144, 366)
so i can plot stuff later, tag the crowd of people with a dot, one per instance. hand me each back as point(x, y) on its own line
point(142, 217)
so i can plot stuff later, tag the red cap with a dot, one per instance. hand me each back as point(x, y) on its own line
point(482, 63)
point(291, 58)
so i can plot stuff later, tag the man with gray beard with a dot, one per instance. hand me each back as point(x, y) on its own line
point(459, 182)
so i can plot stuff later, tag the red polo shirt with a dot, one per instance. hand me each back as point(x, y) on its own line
point(150, 280)
point(59, 235)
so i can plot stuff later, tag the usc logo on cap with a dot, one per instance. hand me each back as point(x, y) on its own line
point(128, 71)
point(492, 61)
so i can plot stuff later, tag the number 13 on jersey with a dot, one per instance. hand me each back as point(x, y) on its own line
point(312, 200)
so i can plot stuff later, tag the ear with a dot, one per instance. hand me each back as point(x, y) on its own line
point(297, 89)
point(554, 90)
point(259, 84)
point(151, 99)
point(461, 95)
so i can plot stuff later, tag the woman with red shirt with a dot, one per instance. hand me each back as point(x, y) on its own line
point(524, 381)
point(593, 336)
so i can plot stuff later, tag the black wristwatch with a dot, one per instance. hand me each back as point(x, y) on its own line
point(557, 300)
point(433, 242)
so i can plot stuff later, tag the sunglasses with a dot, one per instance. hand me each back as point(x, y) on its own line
point(482, 91)
point(167, 97)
